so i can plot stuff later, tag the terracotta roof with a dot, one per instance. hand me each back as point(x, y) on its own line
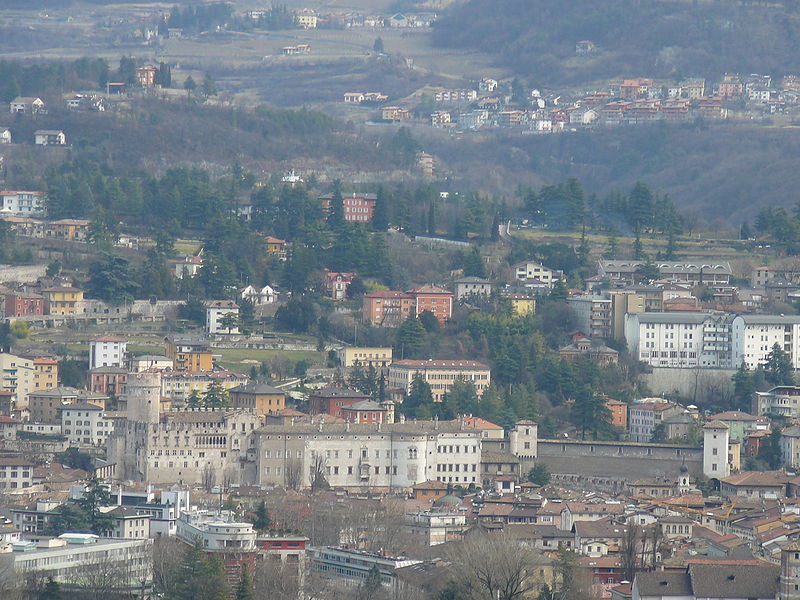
point(758, 479)
point(733, 415)
point(479, 423)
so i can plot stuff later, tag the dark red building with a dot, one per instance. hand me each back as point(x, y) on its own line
point(19, 304)
point(331, 399)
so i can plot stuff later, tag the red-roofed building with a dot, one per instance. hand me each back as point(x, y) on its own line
point(330, 400)
point(434, 299)
point(19, 304)
point(386, 308)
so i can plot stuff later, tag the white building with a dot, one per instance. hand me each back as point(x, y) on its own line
point(715, 450)
point(682, 340)
point(216, 310)
point(790, 447)
point(433, 527)
point(15, 473)
point(5, 135)
point(472, 286)
point(216, 533)
point(107, 351)
point(20, 203)
point(259, 297)
point(530, 271)
point(49, 137)
point(27, 105)
point(143, 362)
point(644, 416)
point(85, 424)
point(129, 523)
point(369, 456)
point(753, 337)
point(80, 559)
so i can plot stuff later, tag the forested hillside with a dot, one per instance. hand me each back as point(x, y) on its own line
point(536, 38)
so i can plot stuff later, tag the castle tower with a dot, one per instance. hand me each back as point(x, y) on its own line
point(144, 397)
point(789, 582)
point(716, 438)
point(523, 439)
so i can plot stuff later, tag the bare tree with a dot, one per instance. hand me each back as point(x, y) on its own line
point(208, 477)
point(294, 473)
point(656, 543)
point(168, 554)
point(629, 551)
point(277, 580)
point(11, 584)
point(496, 567)
point(319, 480)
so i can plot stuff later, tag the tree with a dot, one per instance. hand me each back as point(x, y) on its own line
point(377, 46)
point(419, 399)
point(429, 321)
point(372, 586)
point(410, 337)
point(380, 218)
point(770, 451)
point(559, 291)
point(110, 279)
point(629, 551)
point(539, 474)
point(778, 367)
point(53, 269)
point(743, 387)
point(474, 265)
point(638, 249)
point(209, 87)
point(189, 85)
point(318, 471)
point(496, 566)
point(299, 314)
point(229, 321)
point(216, 395)
point(659, 434)
point(262, 520)
point(612, 245)
point(647, 272)
point(51, 591)
point(590, 413)
point(95, 496)
point(244, 591)
point(70, 518)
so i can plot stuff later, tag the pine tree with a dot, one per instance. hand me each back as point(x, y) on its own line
point(216, 395)
point(638, 249)
point(612, 245)
point(262, 520)
point(410, 337)
point(380, 218)
point(244, 591)
point(432, 218)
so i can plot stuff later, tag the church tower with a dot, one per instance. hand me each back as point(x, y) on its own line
point(789, 583)
point(716, 439)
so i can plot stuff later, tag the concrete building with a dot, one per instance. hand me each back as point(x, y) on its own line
point(85, 424)
point(369, 456)
point(62, 300)
point(15, 473)
point(472, 286)
point(715, 450)
point(434, 527)
point(386, 308)
point(144, 362)
point(45, 406)
point(109, 381)
point(260, 397)
point(434, 299)
point(21, 203)
point(350, 568)
point(188, 353)
point(647, 414)
point(623, 302)
point(216, 311)
point(107, 351)
point(18, 375)
point(682, 340)
point(351, 356)
point(709, 273)
point(45, 373)
point(21, 304)
point(180, 385)
point(753, 337)
point(783, 400)
point(592, 315)
point(331, 399)
point(439, 374)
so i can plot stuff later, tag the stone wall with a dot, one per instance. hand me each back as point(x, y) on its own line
point(693, 384)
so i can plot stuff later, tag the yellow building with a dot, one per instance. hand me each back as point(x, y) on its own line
point(365, 357)
point(45, 373)
point(62, 300)
point(73, 230)
point(522, 304)
point(265, 399)
point(188, 354)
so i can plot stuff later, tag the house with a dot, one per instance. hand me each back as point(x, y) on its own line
point(85, 424)
point(337, 284)
point(353, 97)
point(217, 312)
point(487, 85)
point(707, 579)
point(522, 304)
point(584, 47)
point(395, 113)
point(27, 105)
point(21, 304)
point(645, 415)
point(440, 118)
point(262, 398)
point(386, 308)
point(472, 286)
point(430, 490)
point(49, 137)
point(107, 351)
point(146, 75)
point(378, 358)
point(331, 399)
point(5, 135)
point(757, 484)
point(109, 381)
point(592, 314)
point(23, 203)
point(145, 362)
point(433, 299)
point(369, 411)
point(259, 297)
point(276, 247)
point(45, 405)
point(306, 19)
point(619, 413)
point(585, 347)
point(62, 300)
point(439, 374)
point(179, 386)
point(188, 354)
point(188, 266)
point(529, 271)
point(71, 230)
point(45, 373)
point(9, 427)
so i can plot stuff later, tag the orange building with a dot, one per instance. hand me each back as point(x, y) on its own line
point(435, 299)
point(45, 373)
point(188, 354)
point(386, 308)
point(619, 412)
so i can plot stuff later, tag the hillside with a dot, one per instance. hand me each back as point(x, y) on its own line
point(670, 38)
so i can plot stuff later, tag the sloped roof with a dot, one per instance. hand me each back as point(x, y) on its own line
point(734, 581)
